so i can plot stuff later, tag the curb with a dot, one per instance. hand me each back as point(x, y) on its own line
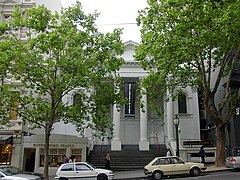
point(145, 177)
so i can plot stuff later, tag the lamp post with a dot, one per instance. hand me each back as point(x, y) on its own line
point(176, 123)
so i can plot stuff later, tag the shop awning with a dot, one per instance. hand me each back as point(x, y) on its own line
point(6, 139)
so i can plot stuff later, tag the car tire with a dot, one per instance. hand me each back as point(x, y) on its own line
point(63, 178)
point(157, 175)
point(195, 171)
point(102, 177)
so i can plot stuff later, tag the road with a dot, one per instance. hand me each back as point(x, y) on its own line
point(224, 175)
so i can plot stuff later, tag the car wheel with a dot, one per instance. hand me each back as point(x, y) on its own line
point(63, 178)
point(102, 177)
point(157, 175)
point(195, 171)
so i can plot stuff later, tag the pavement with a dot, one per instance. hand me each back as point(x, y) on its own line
point(139, 174)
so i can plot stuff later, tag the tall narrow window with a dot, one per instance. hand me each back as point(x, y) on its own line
point(129, 93)
point(76, 99)
point(182, 103)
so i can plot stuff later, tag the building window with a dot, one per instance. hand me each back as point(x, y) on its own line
point(55, 157)
point(5, 153)
point(77, 153)
point(129, 94)
point(182, 103)
point(76, 99)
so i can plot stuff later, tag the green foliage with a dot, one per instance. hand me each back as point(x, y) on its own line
point(185, 42)
point(192, 43)
point(64, 52)
point(61, 54)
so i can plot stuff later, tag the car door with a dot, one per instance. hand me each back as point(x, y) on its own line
point(178, 166)
point(67, 170)
point(164, 165)
point(83, 171)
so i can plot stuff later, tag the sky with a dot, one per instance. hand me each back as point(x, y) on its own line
point(114, 14)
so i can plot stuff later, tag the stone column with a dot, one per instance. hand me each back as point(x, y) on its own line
point(116, 142)
point(170, 125)
point(143, 143)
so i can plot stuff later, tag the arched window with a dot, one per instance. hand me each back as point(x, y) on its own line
point(182, 103)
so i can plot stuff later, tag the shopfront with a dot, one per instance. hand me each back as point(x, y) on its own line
point(6, 142)
point(33, 151)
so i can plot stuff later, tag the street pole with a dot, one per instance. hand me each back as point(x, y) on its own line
point(177, 141)
point(176, 123)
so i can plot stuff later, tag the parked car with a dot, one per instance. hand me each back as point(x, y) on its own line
point(82, 170)
point(233, 161)
point(172, 165)
point(14, 173)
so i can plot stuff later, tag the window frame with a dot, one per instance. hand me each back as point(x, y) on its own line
point(182, 103)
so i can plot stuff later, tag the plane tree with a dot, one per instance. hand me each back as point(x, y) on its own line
point(193, 43)
point(63, 54)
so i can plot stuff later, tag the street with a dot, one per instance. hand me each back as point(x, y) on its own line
point(229, 175)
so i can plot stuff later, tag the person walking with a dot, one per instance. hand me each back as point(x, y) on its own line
point(168, 152)
point(65, 159)
point(202, 154)
point(107, 161)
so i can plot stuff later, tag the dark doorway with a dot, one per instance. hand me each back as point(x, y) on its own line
point(29, 157)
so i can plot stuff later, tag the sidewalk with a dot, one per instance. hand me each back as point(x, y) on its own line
point(139, 174)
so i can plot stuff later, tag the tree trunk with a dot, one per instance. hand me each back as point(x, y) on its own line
point(46, 157)
point(220, 145)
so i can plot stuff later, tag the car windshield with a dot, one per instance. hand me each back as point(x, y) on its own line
point(9, 170)
point(91, 165)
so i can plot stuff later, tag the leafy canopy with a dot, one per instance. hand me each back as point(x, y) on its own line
point(60, 55)
point(186, 43)
point(194, 43)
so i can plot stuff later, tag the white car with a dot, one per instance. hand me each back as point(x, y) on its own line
point(13, 173)
point(172, 165)
point(82, 170)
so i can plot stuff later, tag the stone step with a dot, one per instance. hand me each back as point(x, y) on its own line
point(127, 159)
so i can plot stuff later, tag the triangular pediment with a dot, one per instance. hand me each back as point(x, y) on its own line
point(130, 45)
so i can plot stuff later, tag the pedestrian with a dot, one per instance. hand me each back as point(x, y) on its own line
point(107, 161)
point(168, 152)
point(65, 159)
point(72, 159)
point(202, 154)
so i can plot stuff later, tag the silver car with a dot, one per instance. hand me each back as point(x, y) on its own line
point(13, 173)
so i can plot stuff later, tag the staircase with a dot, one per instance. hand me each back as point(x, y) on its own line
point(129, 158)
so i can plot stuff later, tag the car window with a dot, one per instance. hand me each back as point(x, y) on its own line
point(67, 167)
point(161, 161)
point(9, 170)
point(177, 161)
point(82, 167)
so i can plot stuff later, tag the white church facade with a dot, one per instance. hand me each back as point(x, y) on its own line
point(143, 127)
